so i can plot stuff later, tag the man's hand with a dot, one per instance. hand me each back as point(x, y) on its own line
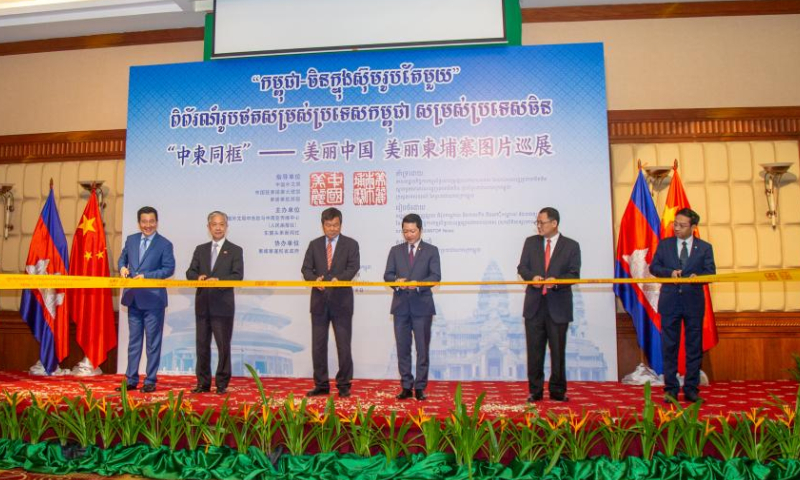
point(676, 274)
point(202, 278)
point(550, 287)
point(319, 279)
point(141, 275)
point(537, 278)
point(124, 272)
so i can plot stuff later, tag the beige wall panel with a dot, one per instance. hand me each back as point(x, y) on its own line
point(50, 171)
point(697, 199)
point(69, 187)
point(622, 196)
point(31, 181)
point(88, 171)
point(118, 216)
point(723, 295)
point(690, 62)
point(9, 299)
point(763, 152)
point(789, 203)
point(692, 163)
point(3, 170)
point(742, 204)
point(645, 152)
point(792, 302)
point(745, 247)
point(716, 157)
point(787, 151)
point(667, 153)
point(68, 211)
point(773, 297)
point(748, 297)
point(760, 204)
point(24, 246)
point(107, 171)
point(791, 246)
point(623, 165)
point(719, 199)
point(721, 238)
point(120, 177)
point(10, 258)
point(769, 247)
point(15, 174)
point(29, 213)
point(740, 161)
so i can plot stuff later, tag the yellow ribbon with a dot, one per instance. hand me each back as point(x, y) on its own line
point(23, 281)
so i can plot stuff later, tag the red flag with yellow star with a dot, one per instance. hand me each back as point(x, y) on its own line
point(90, 308)
point(676, 200)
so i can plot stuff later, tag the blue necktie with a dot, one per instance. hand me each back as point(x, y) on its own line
point(143, 248)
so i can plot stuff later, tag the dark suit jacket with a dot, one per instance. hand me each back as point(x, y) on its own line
point(565, 262)
point(216, 302)
point(158, 262)
point(701, 262)
point(426, 268)
point(344, 266)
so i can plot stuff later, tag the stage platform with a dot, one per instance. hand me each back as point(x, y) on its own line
point(503, 399)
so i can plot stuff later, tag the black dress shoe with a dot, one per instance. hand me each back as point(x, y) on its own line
point(318, 392)
point(692, 397)
point(404, 394)
point(534, 397)
point(128, 388)
point(344, 392)
point(559, 397)
point(199, 389)
point(149, 387)
point(419, 394)
point(222, 390)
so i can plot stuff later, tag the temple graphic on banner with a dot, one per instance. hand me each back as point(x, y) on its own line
point(491, 344)
point(256, 341)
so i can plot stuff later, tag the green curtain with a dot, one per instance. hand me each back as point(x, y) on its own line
point(226, 464)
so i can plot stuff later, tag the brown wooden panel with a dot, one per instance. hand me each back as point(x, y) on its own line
point(752, 346)
point(173, 35)
point(660, 11)
point(63, 146)
point(19, 350)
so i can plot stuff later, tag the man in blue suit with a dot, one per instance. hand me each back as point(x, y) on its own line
point(682, 304)
point(412, 307)
point(145, 255)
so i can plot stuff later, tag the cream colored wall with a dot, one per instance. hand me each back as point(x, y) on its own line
point(77, 89)
point(724, 185)
point(690, 62)
point(31, 188)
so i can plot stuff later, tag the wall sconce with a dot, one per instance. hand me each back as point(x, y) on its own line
point(772, 182)
point(88, 185)
point(656, 176)
point(8, 206)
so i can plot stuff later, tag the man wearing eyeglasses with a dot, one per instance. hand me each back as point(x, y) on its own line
point(548, 308)
point(682, 305)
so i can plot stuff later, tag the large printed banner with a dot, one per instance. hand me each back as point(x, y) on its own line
point(476, 141)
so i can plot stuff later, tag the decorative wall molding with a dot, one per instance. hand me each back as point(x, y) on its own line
point(704, 124)
point(174, 35)
point(63, 146)
point(660, 11)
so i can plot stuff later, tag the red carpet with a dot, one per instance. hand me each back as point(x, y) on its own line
point(502, 398)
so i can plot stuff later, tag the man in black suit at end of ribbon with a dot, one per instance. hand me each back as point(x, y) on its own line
point(413, 307)
point(330, 258)
point(214, 308)
point(548, 308)
point(682, 304)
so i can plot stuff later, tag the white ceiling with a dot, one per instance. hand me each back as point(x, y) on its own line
point(22, 20)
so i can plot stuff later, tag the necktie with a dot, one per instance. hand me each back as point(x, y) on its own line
point(684, 257)
point(143, 248)
point(329, 253)
point(546, 263)
point(214, 252)
point(411, 255)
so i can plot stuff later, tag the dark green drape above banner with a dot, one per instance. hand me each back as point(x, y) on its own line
point(511, 11)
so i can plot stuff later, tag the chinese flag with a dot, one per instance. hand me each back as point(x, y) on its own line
point(676, 200)
point(90, 308)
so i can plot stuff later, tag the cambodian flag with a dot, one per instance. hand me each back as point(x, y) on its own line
point(639, 233)
point(45, 310)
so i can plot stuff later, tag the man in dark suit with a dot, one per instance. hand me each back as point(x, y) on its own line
point(682, 304)
point(412, 307)
point(331, 257)
point(145, 255)
point(214, 308)
point(548, 308)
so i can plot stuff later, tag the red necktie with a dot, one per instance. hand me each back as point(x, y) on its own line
point(546, 263)
point(329, 253)
point(411, 255)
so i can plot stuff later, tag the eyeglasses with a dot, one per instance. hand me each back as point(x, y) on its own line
point(540, 223)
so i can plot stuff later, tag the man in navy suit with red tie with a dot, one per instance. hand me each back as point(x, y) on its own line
point(548, 309)
point(413, 307)
point(145, 255)
point(330, 258)
point(682, 304)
